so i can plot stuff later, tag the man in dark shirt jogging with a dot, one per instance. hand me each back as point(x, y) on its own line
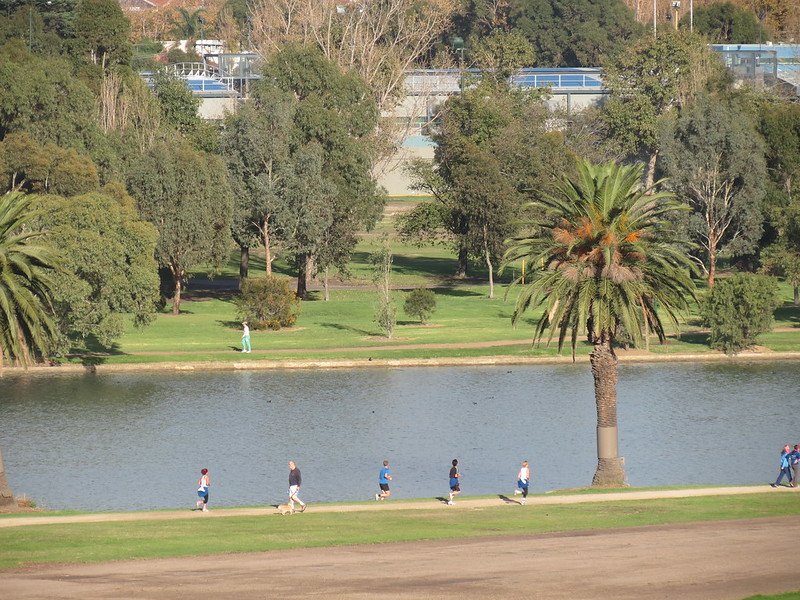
point(294, 486)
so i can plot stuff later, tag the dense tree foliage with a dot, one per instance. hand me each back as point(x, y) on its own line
point(187, 196)
point(108, 268)
point(102, 31)
point(43, 97)
point(726, 23)
point(649, 81)
point(715, 160)
point(563, 33)
point(739, 309)
point(333, 116)
point(494, 148)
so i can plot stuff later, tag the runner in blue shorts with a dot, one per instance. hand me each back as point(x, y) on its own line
point(384, 477)
point(455, 481)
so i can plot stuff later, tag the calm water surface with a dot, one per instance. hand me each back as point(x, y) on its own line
point(129, 441)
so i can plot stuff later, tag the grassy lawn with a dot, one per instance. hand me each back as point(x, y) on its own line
point(344, 327)
point(95, 542)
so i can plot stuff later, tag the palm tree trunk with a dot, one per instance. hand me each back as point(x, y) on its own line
point(610, 466)
point(6, 495)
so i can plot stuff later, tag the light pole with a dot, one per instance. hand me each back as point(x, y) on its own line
point(691, 16)
point(458, 45)
point(655, 18)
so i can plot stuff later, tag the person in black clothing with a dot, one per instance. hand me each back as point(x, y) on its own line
point(294, 486)
point(455, 481)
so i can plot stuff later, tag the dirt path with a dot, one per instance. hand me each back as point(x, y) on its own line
point(705, 561)
point(433, 504)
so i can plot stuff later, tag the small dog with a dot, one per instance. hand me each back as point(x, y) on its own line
point(285, 509)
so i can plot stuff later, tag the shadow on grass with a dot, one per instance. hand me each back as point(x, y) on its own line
point(423, 265)
point(457, 292)
point(230, 324)
point(698, 338)
point(788, 312)
point(341, 327)
point(508, 500)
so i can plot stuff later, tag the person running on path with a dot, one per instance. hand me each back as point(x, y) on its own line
point(384, 477)
point(245, 338)
point(295, 480)
point(786, 469)
point(455, 481)
point(523, 481)
point(202, 490)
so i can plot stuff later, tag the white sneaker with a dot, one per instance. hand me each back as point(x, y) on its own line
point(517, 492)
point(377, 496)
point(522, 501)
point(450, 503)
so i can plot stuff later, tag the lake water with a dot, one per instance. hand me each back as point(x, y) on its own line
point(132, 441)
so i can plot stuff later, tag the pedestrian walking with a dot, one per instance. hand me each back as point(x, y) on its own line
point(295, 480)
point(245, 338)
point(795, 464)
point(523, 481)
point(384, 477)
point(455, 482)
point(786, 469)
point(202, 490)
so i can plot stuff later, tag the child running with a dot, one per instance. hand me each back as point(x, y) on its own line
point(455, 482)
point(202, 490)
point(384, 477)
point(523, 481)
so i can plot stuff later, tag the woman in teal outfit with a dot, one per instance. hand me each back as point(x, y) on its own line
point(245, 338)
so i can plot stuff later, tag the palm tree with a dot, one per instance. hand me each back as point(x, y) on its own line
point(26, 269)
point(26, 326)
point(188, 25)
point(608, 259)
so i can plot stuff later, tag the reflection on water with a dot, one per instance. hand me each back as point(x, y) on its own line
point(122, 441)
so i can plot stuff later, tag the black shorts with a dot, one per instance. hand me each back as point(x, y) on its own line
point(455, 488)
point(384, 486)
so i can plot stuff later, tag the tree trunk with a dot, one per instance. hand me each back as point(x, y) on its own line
point(176, 298)
point(325, 285)
point(461, 268)
point(244, 263)
point(650, 177)
point(303, 270)
point(267, 249)
point(796, 290)
point(712, 267)
point(610, 466)
point(6, 495)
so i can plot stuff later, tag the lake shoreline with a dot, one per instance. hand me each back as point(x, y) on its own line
point(453, 361)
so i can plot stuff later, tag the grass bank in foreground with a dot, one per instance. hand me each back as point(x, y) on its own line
point(97, 542)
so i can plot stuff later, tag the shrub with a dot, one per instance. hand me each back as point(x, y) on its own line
point(420, 303)
point(268, 303)
point(739, 309)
